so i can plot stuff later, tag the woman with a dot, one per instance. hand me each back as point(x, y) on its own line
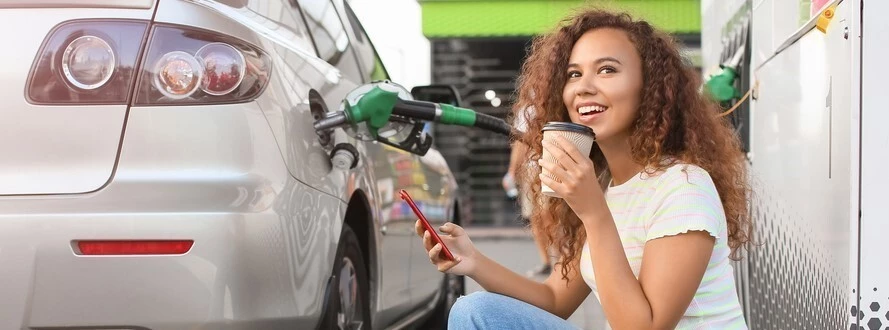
point(649, 219)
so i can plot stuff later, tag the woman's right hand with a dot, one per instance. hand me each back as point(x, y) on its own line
point(458, 243)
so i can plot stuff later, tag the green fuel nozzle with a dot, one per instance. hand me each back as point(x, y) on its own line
point(384, 111)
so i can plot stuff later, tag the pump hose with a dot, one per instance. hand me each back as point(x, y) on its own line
point(450, 115)
point(491, 123)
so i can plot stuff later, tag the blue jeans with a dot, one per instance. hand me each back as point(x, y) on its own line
point(485, 310)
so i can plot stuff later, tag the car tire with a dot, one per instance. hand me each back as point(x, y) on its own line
point(452, 288)
point(349, 304)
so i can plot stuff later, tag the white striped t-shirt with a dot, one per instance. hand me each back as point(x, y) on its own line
point(680, 199)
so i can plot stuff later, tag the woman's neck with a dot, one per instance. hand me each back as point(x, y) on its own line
point(620, 160)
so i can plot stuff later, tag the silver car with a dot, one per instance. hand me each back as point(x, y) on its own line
point(160, 170)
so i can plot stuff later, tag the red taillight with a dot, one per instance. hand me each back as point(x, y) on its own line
point(226, 70)
point(95, 248)
point(87, 62)
point(177, 75)
point(98, 62)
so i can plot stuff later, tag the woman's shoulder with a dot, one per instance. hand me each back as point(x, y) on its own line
point(680, 173)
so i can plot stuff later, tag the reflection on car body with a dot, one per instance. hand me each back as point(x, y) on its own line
point(278, 236)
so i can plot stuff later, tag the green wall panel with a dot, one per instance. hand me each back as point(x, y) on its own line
point(498, 18)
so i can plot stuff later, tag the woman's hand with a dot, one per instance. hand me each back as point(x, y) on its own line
point(458, 243)
point(575, 177)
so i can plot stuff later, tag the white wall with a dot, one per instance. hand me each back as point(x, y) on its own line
point(395, 28)
point(714, 15)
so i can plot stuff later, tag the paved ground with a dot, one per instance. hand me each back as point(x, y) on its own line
point(514, 248)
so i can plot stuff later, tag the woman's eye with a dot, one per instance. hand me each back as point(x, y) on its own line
point(573, 74)
point(607, 69)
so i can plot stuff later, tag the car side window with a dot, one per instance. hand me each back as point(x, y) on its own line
point(367, 54)
point(279, 17)
point(330, 37)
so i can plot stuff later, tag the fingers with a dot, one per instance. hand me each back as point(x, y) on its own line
point(448, 228)
point(555, 170)
point(552, 184)
point(568, 157)
point(570, 149)
point(434, 249)
point(418, 227)
point(558, 151)
point(452, 229)
point(442, 264)
point(434, 254)
point(427, 241)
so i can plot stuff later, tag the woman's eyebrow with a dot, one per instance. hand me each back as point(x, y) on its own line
point(597, 61)
point(607, 59)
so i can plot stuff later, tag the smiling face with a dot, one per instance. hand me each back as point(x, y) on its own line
point(604, 83)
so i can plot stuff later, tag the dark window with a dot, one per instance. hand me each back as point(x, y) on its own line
point(330, 37)
point(367, 55)
point(280, 17)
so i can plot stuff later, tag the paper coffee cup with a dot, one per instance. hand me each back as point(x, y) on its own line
point(582, 137)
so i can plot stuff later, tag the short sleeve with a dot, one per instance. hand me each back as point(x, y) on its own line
point(687, 201)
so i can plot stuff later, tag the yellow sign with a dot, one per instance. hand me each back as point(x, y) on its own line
point(825, 18)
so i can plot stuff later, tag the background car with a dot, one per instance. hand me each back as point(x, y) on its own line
point(160, 171)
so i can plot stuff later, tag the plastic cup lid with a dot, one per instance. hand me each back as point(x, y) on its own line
point(567, 126)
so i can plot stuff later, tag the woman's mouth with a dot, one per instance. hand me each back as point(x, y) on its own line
point(590, 112)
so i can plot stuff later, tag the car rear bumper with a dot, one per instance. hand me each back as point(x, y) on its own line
point(263, 241)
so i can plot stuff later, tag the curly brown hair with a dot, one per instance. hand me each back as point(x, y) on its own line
point(675, 121)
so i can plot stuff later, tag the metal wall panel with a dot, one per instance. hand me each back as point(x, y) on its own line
point(873, 310)
point(802, 270)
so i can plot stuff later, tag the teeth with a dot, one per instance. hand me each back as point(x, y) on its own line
point(590, 108)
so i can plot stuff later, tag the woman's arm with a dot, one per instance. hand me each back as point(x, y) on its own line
point(672, 269)
point(672, 266)
point(555, 295)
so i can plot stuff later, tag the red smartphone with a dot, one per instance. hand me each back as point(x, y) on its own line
point(410, 201)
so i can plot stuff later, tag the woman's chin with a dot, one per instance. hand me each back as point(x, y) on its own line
point(601, 135)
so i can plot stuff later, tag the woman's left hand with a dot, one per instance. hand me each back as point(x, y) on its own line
point(575, 176)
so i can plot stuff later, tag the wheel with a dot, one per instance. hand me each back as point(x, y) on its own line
point(348, 307)
point(452, 288)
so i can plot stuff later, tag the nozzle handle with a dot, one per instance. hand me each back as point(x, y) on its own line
point(421, 110)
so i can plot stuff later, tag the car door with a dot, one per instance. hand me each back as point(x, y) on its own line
point(426, 178)
point(336, 45)
point(425, 279)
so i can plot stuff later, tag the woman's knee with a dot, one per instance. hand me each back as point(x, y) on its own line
point(471, 310)
point(476, 301)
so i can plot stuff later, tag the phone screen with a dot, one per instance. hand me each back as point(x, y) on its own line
point(410, 201)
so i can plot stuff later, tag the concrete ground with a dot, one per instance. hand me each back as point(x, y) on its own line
point(515, 249)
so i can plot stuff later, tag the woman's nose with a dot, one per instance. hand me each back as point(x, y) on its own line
point(586, 87)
